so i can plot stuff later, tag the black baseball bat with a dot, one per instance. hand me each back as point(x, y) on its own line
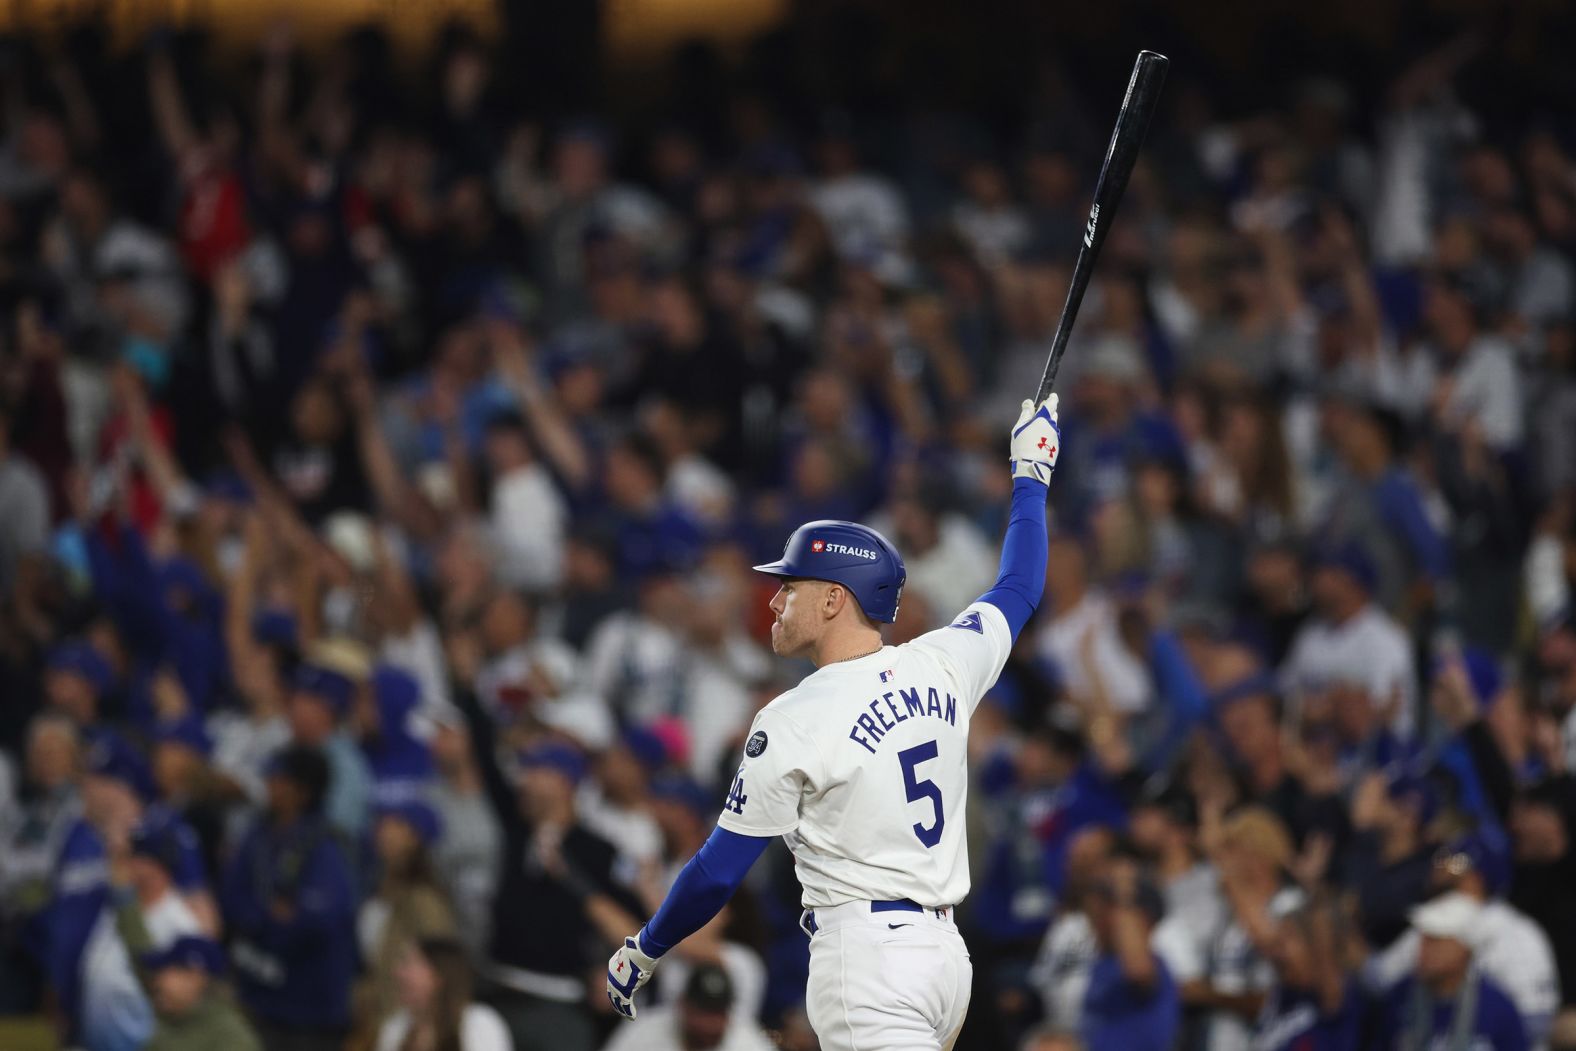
point(1143, 91)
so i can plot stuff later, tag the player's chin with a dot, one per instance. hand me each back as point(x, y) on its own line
point(780, 645)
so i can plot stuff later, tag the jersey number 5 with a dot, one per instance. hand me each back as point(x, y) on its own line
point(926, 789)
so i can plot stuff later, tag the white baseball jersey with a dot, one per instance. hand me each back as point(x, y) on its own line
point(863, 767)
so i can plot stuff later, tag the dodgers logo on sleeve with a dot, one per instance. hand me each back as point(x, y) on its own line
point(736, 797)
point(756, 745)
point(969, 622)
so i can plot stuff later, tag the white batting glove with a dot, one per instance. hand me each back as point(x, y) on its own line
point(1036, 441)
point(627, 971)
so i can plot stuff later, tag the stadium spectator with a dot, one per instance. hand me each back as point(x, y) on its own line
point(1509, 948)
point(158, 861)
point(702, 1020)
point(1314, 1002)
point(1468, 376)
point(1164, 830)
point(1376, 504)
point(1062, 970)
point(35, 828)
point(1080, 637)
point(1131, 1000)
point(421, 380)
point(527, 514)
point(537, 958)
point(78, 676)
point(1391, 857)
point(25, 533)
point(399, 760)
point(1352, 642)
point(408, 905)
point(1447, 998)
point(467, 855)
point(614, 803)
point(193, 1012)
point(289, 906)
point(101, 1003)
point(1253, 852)
point(320, 702)
point(433, 982)
point(943, 552)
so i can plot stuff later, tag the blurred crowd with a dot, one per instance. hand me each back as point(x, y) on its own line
point(380, 470)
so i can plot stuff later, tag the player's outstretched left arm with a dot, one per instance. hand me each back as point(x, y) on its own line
point(1036, 443)
point(699, 893)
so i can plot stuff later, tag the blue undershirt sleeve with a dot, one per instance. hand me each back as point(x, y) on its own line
point(702, 889)
point(1023, 551)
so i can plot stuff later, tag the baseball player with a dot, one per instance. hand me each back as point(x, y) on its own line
point(862, 769)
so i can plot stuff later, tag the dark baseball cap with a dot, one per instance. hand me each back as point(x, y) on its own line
point(1484, 851)
point(709, 988)
point(187, 730)
point(554, 755)
point(1147, 897)
point(79, 658)
point(331, 687)
point(1172, 800)
point(191, 951)
point(112, 758)
point(160, 841)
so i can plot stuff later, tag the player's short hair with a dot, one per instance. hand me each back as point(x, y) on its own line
point(853, 600)
point(859, 611)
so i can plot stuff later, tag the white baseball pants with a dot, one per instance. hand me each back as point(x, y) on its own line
point(886, 980)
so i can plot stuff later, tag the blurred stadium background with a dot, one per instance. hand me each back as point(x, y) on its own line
point(394, 393)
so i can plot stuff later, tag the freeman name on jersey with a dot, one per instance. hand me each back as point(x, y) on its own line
point(873, 725)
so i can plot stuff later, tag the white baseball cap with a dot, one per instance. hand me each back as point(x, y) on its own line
point(1455, 915)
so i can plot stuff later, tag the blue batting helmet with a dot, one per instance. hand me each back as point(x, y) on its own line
point(846, 553)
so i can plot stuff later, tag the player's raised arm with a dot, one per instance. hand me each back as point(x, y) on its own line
point(1036, 442)
point(975, 646)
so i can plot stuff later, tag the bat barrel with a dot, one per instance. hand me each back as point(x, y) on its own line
point(1143, 91)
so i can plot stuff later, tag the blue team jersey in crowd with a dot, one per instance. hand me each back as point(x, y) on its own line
point(81, 891)
point(188, 872)
point(1293, 1021)
point(1497, 1027)
point(1119, 1014)
point(291, 910)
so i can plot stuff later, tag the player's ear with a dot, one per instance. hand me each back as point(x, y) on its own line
point(832, 604)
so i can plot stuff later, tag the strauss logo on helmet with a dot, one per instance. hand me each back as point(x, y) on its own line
point(820, 547)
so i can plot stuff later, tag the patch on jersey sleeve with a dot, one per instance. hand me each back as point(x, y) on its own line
point(736, 797)
point(969, 622)
point(756, 744)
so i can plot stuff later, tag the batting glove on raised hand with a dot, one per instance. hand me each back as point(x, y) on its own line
point(627, 971)
point(1036, 441)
